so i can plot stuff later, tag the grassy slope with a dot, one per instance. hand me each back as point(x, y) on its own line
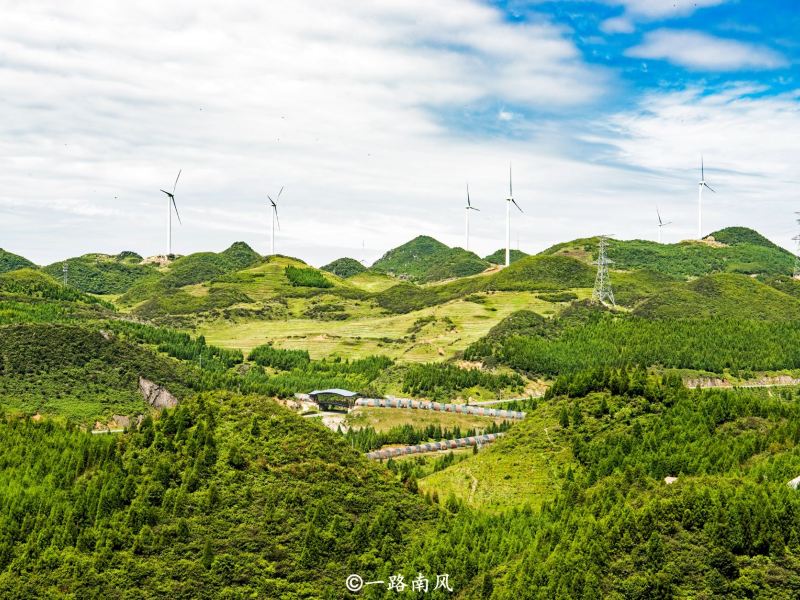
point(374, 333)
point(522, 468)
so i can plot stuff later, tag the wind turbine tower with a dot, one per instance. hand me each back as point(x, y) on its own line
point(274, 204)
point(468, 208)
point(509, 201)
point(170, 205)
point(702, 185)
point(661, 224)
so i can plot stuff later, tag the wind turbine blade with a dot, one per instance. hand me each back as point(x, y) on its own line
point(667, 223)
point(469, 204)
point(709, 187)
point(176, 210)
point(510, 187)
point(167, 193)
point(702, 169)
point(659, 216)
point(278, 197)
point(174, 187)
point(271, 200)
point(517, 205)
point(473, 208)
point(277, 220)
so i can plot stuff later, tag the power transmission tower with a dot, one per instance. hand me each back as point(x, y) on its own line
point(796, 238)
point(65, 269)
point(602, 284)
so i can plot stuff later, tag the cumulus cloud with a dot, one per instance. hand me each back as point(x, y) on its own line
point(339, 101)
point(697, 50)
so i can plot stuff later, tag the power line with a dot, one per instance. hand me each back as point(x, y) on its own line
point(602, 292)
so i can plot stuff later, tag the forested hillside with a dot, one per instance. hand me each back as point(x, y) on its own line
point(425, 259)
point(225, 496)
point(11, 262)
point(101, 273)
point(345, 267)
point(734, 250)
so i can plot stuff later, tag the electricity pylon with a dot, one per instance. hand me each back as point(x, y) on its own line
point(602, 292)
point(796, 238)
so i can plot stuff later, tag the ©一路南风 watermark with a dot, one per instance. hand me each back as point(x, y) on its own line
point(397, 583)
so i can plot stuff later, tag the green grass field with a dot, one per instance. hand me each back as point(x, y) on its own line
point(523, 467)
point(367, 331)
point(383, 419)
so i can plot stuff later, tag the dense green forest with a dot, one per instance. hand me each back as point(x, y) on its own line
point(225, 496)
point(585, 338)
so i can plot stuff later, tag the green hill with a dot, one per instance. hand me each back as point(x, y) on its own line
point(224, 497)
point(102, 273)
point(11, 262)
point(498, 257)
point(78, 373)
point(723, 295)
point(192, 269)
point(610, 526)
point(425, 259)
point(544, 273)
point(344, 267)
point(745, 251)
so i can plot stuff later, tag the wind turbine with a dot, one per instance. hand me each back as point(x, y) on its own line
point(274, 204)
point(702, 184)
point(509, 201)
point(170, 205)
point(661, 224)
point(468, 208)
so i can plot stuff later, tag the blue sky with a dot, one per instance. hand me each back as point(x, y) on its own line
point(375, 116)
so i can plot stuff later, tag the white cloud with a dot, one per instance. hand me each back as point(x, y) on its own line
point(337, 100)
point(663, 9)
point(505, 115)
point(651, 10)
point(621, 24)
point(341, 103)
point(697, 50)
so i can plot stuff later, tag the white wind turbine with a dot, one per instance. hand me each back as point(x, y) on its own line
point(468, 208)
point(702, 185)
point(170, 205)
point(509, 201)
point(274, 204)
point(661, 224)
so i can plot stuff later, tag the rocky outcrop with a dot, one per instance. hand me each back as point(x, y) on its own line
point(155, 395)
point(121, 420)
